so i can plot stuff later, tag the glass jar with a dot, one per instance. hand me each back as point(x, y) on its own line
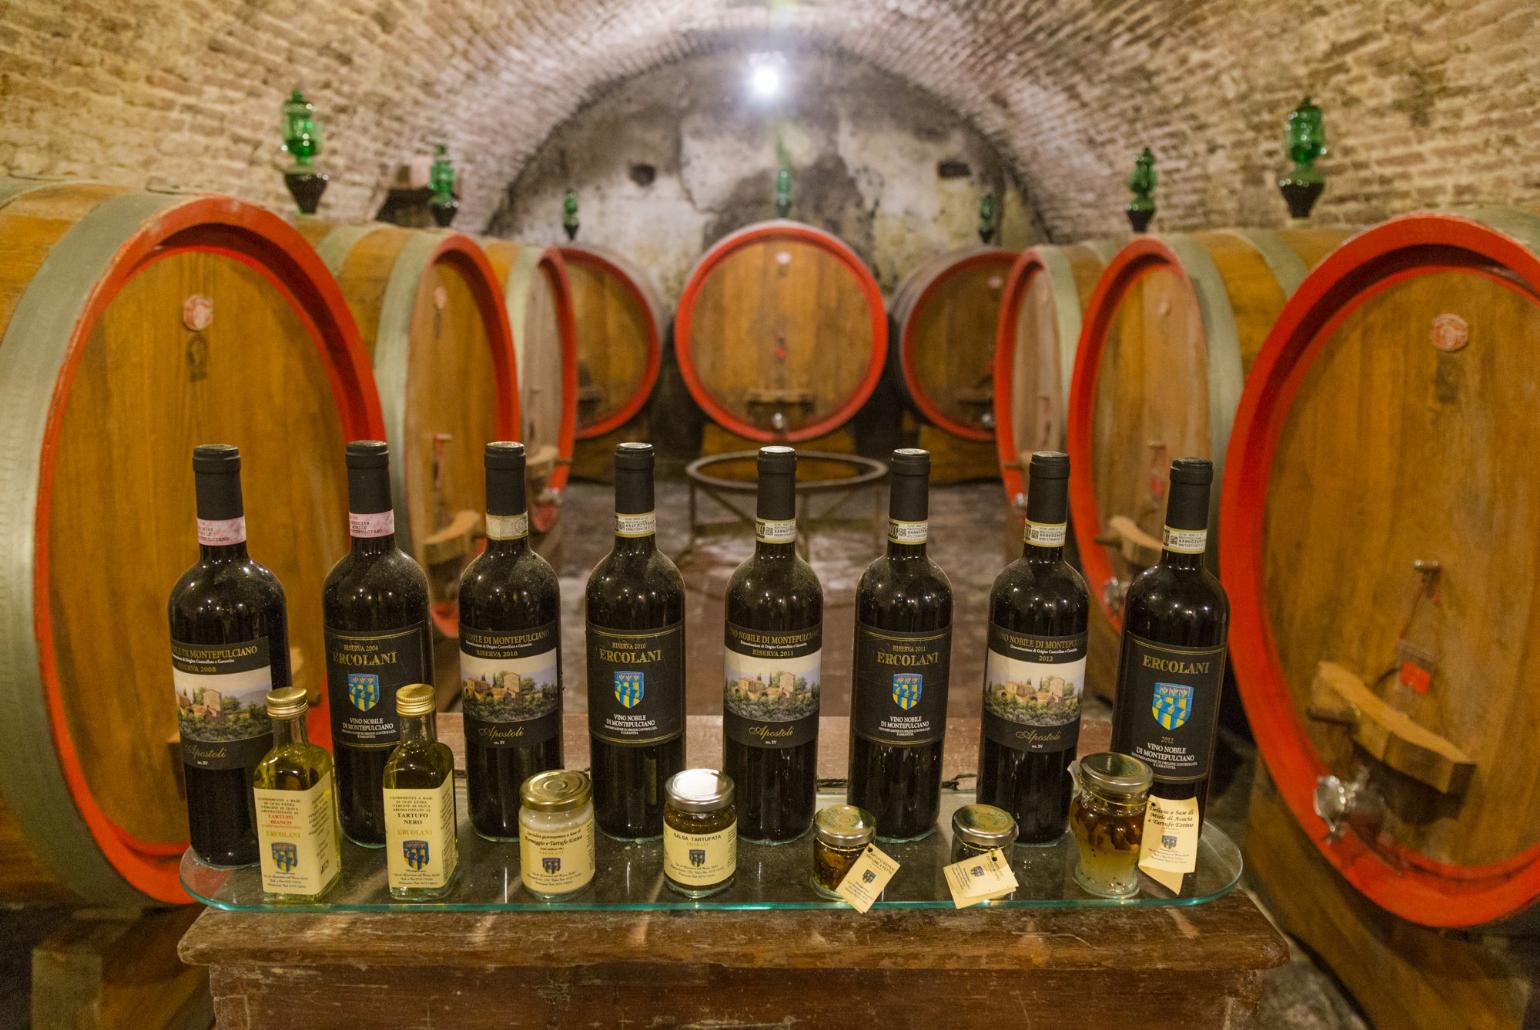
point(840, 834)
point(1107, 818)
point(979, 829)
point(556, 833)
point(700, 832)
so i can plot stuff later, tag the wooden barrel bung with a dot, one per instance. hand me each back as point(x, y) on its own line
point(1379, 508)
point(539, 300)
point(945, 314)
point(619, 316)
point(430, 311)
point(781, 333)
point(135, 326)
point(1169, 332)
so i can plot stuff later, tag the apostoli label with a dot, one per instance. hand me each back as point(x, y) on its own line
point(775, 531)
point(557, 861)
point(1033, 685)
point(508, 527)
point(1186, 541)
point(221, 694)
point(372, 524)
point(700, 859)
point(421, 850)
point(511, 685)
point(634, 526)
point(222, 532)
point(1046, 534)
point(297, 838)
point(773, 681)
point(900, 532)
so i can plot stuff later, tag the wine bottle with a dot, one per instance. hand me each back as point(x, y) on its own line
point(229, 647)
point(1034, 675)
point(510, 655)
point(374, 607)
point(773, 667)
point(903, 651)
point(1171, 666)
point(635, 629)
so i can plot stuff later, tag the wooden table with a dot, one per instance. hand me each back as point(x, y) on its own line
point(1197, 965)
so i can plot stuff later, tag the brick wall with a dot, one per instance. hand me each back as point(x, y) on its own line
point(1428, 102)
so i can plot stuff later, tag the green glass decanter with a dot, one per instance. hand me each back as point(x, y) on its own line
point(1305, 141)
point(1142, 182)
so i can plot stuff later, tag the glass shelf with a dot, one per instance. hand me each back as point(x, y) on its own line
point(630, 877)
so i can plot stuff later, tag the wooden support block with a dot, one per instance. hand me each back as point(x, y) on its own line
point(454, 541)
point(119, 969)
point(1135, 545)
point(1387, 734)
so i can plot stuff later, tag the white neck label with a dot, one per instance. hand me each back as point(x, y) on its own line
point(635, 526)
point(371, 524)
point(222, 532)
point(508, 527)
point(1186, 541)
point(775, 531)
point(901, 532)
point(1046, 534)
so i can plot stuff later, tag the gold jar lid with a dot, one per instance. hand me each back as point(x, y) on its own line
point(845, 826)
point(556, 790)
point(699, 790)
point(984, 826)
point(415, 699)
point(287, 703)
point(1117, 777)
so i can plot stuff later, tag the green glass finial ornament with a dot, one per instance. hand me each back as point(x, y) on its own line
point(569, 214)
point(441, 180)
point(783, 192)
point(987, 217)
point(1142, 182)
point(301, 144)
point(1305, 141)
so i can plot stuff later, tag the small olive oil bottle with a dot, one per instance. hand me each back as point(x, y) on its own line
point(298, 835)
point(422, 851)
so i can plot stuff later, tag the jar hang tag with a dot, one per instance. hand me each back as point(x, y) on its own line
point(1074, 774)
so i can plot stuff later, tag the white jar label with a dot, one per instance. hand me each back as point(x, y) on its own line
point(557, 861)
point(421, 850)
point(1186, 541)
point(633, 526)
point(297, 838)
point(700, 859)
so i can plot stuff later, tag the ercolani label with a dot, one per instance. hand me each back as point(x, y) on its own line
point(297, 839)
point(1046, 534)
point(1169, 847)
point(901, 685)
point(508, 527)
point(363, 673)
point(633, 526)
point(900, 532)
point(421, 850)
point(557, 861)
point(867, 879)
point(700, 859)
point(221, 695)
point(636, 684)
point(1168, 707)
point(1186, 541)
point(371, 524)
point(775, 531)
point(222, 532)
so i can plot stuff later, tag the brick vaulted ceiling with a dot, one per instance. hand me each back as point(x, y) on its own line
point(1429, 102)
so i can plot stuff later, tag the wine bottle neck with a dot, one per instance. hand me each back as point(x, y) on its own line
point(371, 520)
point(775, 524)
point(507, 534)
point(1047, 522)
point(221, 517)
point(1185, 535)
point(908, 516)
point(636, 523)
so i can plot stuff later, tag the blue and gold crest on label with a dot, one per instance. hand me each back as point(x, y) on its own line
point(906, 689)
point(416, 853)
point(285, 856)
point(630, 687)
point(697, 857)
point(1168, 841)
point(551, 865)
point(867, 876)
point(364, 690)
point(1172, 704)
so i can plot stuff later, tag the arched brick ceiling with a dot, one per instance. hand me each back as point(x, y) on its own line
point(1427, 103)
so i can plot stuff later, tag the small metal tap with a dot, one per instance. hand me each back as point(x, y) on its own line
point(1342, 805)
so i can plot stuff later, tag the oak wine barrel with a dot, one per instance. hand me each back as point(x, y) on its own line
point(781, 333)
point(943, 343)
point(430, 311)
point(620, 316)
point(539, 300)
point(134, 326)
point(1034, 351)
point(1381, 524)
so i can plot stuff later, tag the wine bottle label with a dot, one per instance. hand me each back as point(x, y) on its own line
point(421, 850)
point(901, 685)
point(297, 838)
point(775, 531)
point(773, 683)
point(1032, 690)
point(222, 532)
point(363, 673)
point(557, 861)
point(1046, 534)
point(636, 684)
point(371, 524)
point(900, 532)
point(221, 702)
point(1168, 706)
point(510, 685)
point(700, 859)
point(508, 527)
point(1185, 541)
point(635, 526)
